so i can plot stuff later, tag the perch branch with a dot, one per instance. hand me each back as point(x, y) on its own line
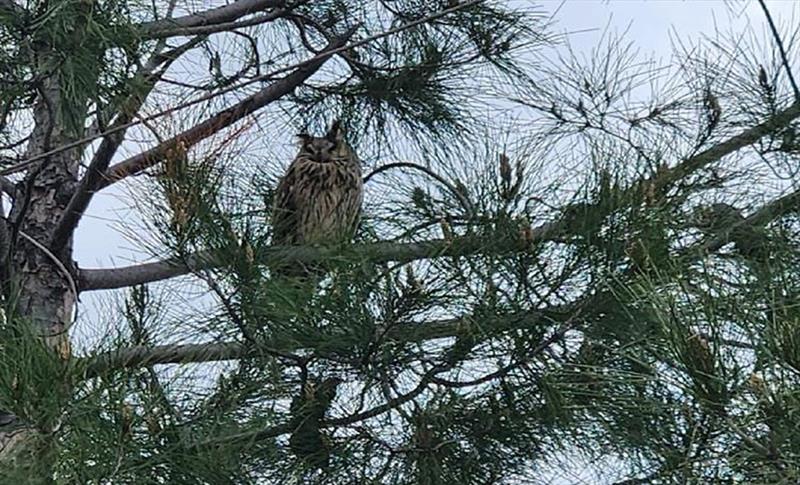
point(95, 279)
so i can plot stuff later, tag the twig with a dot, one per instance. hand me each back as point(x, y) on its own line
point(461, 197)
point(784, 57)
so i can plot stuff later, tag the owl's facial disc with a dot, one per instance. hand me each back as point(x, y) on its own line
point(319, 149)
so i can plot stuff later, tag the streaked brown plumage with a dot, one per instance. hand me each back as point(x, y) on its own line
point(318, 200)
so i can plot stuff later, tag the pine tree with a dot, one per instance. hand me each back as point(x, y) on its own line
point(607, 278)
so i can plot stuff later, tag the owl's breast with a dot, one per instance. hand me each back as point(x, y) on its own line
point(330, 202)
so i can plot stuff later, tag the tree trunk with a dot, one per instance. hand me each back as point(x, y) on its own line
point(41, 291)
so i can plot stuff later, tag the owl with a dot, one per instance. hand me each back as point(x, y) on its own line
point(318, 200)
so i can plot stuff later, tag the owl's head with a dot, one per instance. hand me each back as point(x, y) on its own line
point(325, 148)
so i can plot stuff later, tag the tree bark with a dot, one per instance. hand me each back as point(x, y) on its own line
point(42, 292)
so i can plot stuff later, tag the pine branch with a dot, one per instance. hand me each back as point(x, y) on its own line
point(142, 356)
point(380, 252)
point(221, 27)
point(731, 145)
point(97, 279)
point(123, 277)
point(208, 18)
point(281, 429)
point(224, 118)
point(108, 147)
point(275, 431)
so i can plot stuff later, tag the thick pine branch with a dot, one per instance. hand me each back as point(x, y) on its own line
point(412, 332)
point(101, 279)
point(128, 110)
point(144, 356)
point(223, 119)
point(104, 279)
point(126, 276)
point(223, 27)
point(215, 16)
point(381, 252)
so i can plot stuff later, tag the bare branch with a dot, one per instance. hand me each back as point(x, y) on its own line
point(215, 16)
point(96, 279)
point(123, 277)
point(144, 356)
point(221, 27)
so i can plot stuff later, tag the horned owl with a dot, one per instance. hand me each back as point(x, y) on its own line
point(318, 200)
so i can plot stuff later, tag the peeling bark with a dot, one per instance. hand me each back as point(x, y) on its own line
point(40, 291)
point(44, 293)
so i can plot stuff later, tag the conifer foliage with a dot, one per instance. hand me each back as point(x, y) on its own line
point(563, 262)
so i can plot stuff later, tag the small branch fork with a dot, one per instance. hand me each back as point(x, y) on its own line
point(108, 147)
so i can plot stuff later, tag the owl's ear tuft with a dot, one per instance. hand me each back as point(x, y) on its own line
point(335, 133)
point(303, 138)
